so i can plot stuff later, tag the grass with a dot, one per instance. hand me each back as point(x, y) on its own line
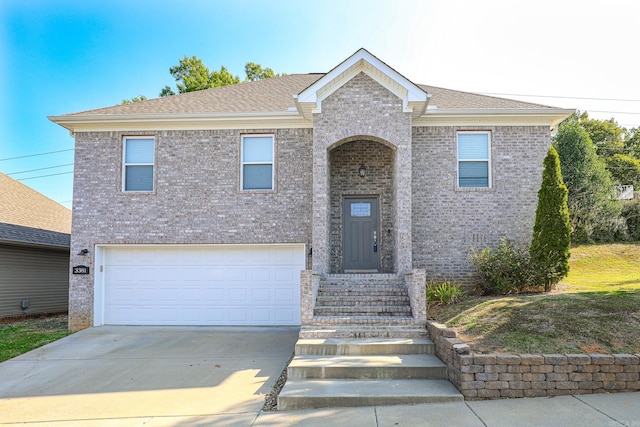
point(21, 336)
point(595, 310)
point(604, 268)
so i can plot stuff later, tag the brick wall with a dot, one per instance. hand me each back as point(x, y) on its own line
point(197, 198)
point(345, 180)
point(493, 376)
point(447, 221)
point(360, 110)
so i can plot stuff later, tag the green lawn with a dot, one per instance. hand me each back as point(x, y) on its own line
point(604, 268)
point(596, 309)
point(25, 335)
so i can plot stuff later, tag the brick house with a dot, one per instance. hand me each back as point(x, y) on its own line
point(240, 204)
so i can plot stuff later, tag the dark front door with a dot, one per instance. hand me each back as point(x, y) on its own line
point(360, 235)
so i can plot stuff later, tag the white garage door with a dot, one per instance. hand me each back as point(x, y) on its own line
point(230, 285)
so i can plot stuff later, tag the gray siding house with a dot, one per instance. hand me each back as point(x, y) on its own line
point(320, 200)
point(34, 252)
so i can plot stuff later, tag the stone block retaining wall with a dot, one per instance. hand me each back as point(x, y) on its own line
point(493, 376)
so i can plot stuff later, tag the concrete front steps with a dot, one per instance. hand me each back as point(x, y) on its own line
point(362, 306)
point(337, 372)
point(347, 329)
point(362, 295)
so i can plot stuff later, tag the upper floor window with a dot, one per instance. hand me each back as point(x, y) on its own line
point(257, 162)
point(474, 151)
point(139, 153)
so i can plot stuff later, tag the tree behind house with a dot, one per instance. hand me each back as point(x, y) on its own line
point(134, 99)
point(192, 75)
point(594, 212)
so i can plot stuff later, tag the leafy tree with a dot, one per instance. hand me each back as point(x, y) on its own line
point(256, 72)
point(166, 91)
point(134, 99)
point(191, 75)
point(625, 169)
point(606, 135)
point(549, 250)
point(632, 142)
point(594, 211)
point(223, 78)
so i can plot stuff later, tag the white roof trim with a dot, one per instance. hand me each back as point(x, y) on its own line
point(292, 119)
point(451, 117)
point(253, 120)
point(310, 99)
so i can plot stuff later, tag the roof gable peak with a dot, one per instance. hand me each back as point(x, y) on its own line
point(414, 98)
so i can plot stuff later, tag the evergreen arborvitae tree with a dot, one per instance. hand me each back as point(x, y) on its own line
point(551, 240)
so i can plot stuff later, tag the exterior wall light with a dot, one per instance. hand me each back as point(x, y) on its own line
point(362, 170)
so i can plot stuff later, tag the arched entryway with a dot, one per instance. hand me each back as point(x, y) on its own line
point(361, 207)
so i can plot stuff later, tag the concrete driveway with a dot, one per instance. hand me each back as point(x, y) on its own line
point(151, 376)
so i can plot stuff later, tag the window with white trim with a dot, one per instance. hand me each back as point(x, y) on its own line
point(138, 163)
point(257, 162)
point(474, 159)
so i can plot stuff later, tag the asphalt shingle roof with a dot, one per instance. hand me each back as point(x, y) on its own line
point(19, 234)
point(28, 216)
point(455, 99)
point(277, 95)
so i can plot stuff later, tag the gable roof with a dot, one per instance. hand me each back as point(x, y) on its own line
point(30, 217)
point(287, 101)
point(414, 99)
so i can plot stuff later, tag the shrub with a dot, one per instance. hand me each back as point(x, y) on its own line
point(444, 293)
point(504, 269)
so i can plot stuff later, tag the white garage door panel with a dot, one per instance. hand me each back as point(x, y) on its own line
point(202, 285)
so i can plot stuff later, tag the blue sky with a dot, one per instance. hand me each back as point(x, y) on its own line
point(65, 56)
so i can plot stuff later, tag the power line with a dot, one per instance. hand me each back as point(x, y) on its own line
point(44, 176)
point(37, 154)
point(40, 169)
point(561, 97)
point(575, 97)
point(612, 112)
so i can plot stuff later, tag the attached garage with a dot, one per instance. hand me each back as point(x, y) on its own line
point(198, 285)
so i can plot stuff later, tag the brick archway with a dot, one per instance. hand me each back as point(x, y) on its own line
point(344, 180)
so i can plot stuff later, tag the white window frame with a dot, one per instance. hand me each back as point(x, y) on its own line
point(272, 162)
point(487, 160)
point(125, 164)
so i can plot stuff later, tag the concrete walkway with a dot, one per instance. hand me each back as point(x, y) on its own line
point(219, 376)
point(605, 410)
